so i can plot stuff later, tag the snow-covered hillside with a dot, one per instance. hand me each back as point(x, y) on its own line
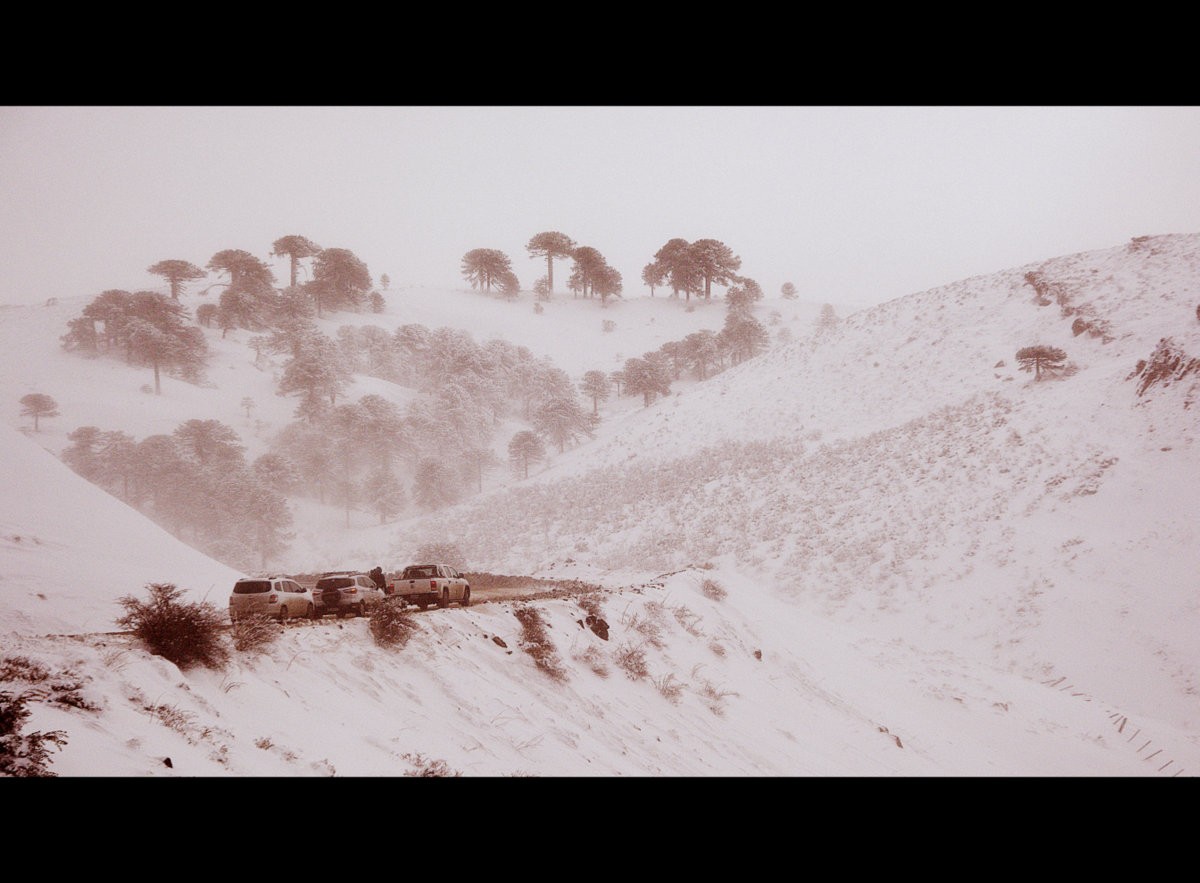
point(933, 564)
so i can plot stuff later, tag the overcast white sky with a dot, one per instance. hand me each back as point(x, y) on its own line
point(854, 205)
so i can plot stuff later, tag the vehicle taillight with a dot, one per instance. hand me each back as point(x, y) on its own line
point(352, 591)
point(433, 584)
point(272, 598)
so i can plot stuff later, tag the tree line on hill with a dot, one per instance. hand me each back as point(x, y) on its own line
point(370, 453)
point(686, 267)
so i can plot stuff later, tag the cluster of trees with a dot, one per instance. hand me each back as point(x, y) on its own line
point(197, 484)
point(702, 353)
point(591, 274)
point(442, 442)
point(688, 267)
point(692, 267)
point(154, 329)
point(146, 327)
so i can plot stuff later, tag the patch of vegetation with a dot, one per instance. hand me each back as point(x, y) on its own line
point(648, 627)
point(713, 590)
point(593, 658)
point(536, 641)
point(670, 688)
point(632, 660)
point(1166, 365)
point(689, 620)
point(185, 633)
point(391, 624)
point(24, 755)
point(714, 697)
point(61, 689)
point(255, 632)
point(428, 768)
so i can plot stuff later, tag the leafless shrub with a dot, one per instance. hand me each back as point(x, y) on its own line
point(14, 668)
point(714, 697)
point(686, 618)
point(670, 688)
point(391, 624)
point(713, 590)
point(535, 640)
point(428, 768)
point(648, 628)
point(264, 743)
point(172, 718)
point(255, 632)
point(633, 660)
point(594, 659)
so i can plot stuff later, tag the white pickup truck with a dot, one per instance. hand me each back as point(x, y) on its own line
point(425, 584)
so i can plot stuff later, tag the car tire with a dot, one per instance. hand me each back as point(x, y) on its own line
point(312, 612)
point(444, 601)
point(466, 599)
point(283, 613)
point(421, 604)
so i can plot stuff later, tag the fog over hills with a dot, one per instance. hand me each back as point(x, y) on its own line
point(877, 549)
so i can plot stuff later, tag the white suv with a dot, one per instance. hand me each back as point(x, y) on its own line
point(342, 593)
point(276, 596)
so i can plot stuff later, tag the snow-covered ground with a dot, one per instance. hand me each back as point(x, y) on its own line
point(931, 564)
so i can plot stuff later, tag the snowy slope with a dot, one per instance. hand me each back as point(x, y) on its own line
point(68, 550)
point(934, 565)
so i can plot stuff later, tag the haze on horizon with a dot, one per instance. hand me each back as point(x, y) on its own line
point(854, 205)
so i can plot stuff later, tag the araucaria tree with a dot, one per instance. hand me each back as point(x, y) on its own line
point(1041, 359)
point(715, 262)
point(596, 386)
point(606, 282)
point(675, 264)
point(485, 267)
point(524, 448)
point(340, 280)
point(550, 245)
point(176, 272)
point(562, 420)
point(788, 291)
point(294, 248)
point(316, 371)
point(38, 405)
point(245, 270)
point(646, 377)
point(247, 301)
point(828, 317)
point(588, 267)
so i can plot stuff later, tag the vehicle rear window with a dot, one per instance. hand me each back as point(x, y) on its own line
point(417, 573)
point(252, 587)
point(335, 582)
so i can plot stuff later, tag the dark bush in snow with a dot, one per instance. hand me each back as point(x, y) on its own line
point(24, 755)
point(391, 625)
point(185, 633)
